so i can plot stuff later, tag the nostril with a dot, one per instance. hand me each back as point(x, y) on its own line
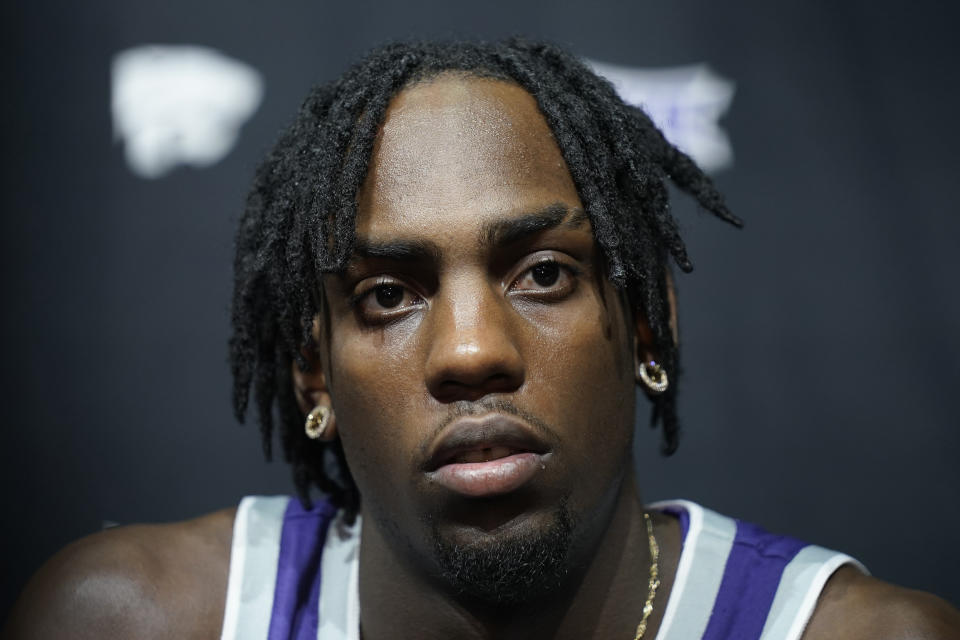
point(502, 382)
point(457, 391)
point(452, 390)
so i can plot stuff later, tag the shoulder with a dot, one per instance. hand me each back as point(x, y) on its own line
point(854, 605)
point(138, 581)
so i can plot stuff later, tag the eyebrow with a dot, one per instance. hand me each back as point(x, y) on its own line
point(515, 229)
point(397, 250)
point(502, 232)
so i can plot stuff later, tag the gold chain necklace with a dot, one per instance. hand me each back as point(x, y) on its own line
point(654, 578)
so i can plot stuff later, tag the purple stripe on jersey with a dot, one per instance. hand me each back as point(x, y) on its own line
point(749, 583)
point(297, 592)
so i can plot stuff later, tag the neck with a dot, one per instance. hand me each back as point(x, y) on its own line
point(603, 599)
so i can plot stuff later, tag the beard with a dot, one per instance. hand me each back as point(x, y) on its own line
point(510, 570)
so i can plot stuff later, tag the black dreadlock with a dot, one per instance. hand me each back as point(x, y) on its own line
point(300, 215)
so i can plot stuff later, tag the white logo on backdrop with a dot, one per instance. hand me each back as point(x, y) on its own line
point(180, 104)
point(685, 102)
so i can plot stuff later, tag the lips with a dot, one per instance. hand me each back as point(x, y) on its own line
point(489, 456)
point(486, 454)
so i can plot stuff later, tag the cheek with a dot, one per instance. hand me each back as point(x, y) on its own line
point(380, 414)
point(585, 378)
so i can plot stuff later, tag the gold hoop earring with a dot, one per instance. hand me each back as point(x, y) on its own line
point(654, 377)
point(317, 421)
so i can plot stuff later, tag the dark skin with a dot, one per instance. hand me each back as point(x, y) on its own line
point(460, 320)
point(472, 324)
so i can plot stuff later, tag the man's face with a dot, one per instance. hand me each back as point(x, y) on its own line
point(480, 364)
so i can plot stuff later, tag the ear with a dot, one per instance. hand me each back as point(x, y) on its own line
point(646, 350)
point(310, 387)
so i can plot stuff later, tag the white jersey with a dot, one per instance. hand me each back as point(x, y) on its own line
point(734, 580)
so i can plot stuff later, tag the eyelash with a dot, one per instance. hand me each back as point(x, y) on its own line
point(356, 300)
point(548, 294)
point(568, 271)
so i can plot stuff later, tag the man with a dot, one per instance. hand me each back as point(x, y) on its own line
point(450, 278)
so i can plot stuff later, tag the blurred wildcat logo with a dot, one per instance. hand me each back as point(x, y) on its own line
point(175, 105)
point(685, 102)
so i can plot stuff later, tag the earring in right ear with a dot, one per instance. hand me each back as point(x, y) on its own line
point(653, 376)
point(317, 421)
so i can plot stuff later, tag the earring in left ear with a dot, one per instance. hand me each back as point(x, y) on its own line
point(653, 376)
point(317, 422)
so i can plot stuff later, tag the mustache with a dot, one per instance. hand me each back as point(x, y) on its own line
point(468, 408)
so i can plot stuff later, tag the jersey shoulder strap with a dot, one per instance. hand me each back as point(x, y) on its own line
point(735, 580)
point(273, 586)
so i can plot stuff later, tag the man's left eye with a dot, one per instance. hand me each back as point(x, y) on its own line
point(546, 278)
point(546, 274)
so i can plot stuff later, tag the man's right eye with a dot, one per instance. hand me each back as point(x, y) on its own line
point(382, 301)
point(388, 296)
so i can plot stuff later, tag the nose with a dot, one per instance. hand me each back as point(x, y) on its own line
point(473, 349)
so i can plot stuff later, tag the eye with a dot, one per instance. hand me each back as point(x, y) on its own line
point(548, 279)
point(388, 296)
point(381, 300)
point(546, 274)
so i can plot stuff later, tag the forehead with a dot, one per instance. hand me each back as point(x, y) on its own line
point(454, 152)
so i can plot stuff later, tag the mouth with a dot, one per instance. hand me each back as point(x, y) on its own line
point(490, 456)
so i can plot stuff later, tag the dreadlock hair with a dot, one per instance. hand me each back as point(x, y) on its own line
point(299, 221)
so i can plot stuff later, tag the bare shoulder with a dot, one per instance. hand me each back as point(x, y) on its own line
point(854, 606)
point(137, 581)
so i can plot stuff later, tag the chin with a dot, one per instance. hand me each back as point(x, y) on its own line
point(517, 562)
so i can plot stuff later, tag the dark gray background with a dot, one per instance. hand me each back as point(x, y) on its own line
point(821, 344)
